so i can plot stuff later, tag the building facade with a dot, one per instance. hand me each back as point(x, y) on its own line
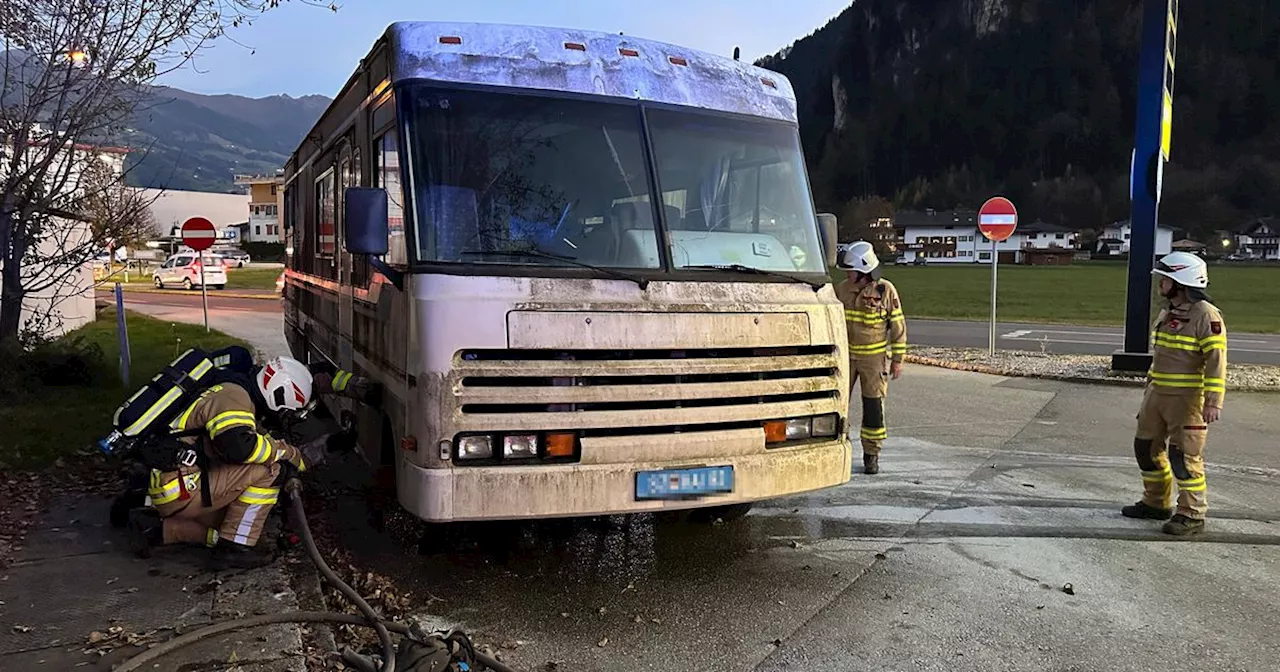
point(61, 297)
point(953, 237)
point(1260, 239)
point(266, 208)
point(1117, 237)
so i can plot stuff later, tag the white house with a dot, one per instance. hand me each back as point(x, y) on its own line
point(67, 302)
point(1117, 236)
point(1260, 238)
point(952, 237)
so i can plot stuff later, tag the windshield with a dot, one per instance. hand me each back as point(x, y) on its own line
point(532, 180)
point(735, 193)
point(498, 175)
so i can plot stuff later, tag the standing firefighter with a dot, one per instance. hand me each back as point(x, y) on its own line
point(877, 341)
point(1184, 394)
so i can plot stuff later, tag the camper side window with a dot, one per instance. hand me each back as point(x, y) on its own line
point(386, 174)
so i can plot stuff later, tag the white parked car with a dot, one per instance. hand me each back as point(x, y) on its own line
point(184, 269)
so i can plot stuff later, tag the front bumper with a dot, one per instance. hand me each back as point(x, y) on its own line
point(600, 486)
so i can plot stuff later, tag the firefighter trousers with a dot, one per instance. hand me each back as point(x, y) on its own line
point(242, 496)
point(873, 374)
point(1169, 445)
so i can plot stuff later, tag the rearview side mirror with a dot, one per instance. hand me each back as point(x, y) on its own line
point(364, 212)
point(828, 226)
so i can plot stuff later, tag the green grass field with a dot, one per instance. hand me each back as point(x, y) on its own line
point(55, 421)
point(1092, 294)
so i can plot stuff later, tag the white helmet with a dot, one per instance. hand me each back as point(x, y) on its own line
point(1184, 268)
point(285, 383)
point(860, 257)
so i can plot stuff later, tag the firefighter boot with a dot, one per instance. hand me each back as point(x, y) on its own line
point(230, 555)
point(145, 531)
point(871, 464)
point(1144, 510)
point(1182, 526)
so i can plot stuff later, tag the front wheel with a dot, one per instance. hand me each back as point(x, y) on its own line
point(156, 281)
point(187, 284)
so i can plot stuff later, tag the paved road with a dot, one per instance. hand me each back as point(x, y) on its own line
point(1066, 339)
point(995, 494)
point(257, 321)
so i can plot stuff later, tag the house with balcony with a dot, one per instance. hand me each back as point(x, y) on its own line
point(266, 208)
point(1259, 238)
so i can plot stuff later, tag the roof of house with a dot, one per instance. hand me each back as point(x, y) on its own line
point(1272, 223)
point(1041, 226)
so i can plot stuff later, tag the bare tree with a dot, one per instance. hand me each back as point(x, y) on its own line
point(72, 75)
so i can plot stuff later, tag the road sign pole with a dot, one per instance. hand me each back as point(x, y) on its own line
point(122, 332)
point(204, 293)
point(995, 261)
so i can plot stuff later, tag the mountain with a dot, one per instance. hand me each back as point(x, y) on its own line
point(942, 103)
point(198, 142)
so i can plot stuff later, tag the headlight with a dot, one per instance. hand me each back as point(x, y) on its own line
point(520, 445)
point(475, 447)
point(798, 428)
point(825, 425)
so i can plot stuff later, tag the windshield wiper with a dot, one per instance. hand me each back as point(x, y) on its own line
point(740, 268)
point(641, 282)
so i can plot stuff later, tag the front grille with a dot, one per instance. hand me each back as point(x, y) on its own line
point(643, 388)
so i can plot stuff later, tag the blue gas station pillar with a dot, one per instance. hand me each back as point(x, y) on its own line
point(1152, 134)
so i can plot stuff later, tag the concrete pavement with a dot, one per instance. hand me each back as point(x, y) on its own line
point(1066, 339)
point(996, 493)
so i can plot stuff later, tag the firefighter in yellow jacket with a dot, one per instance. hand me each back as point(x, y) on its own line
point(1184, 395)
point(246, 466)
point(877, 341)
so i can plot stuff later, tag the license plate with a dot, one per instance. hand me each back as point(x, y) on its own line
point(683, 483)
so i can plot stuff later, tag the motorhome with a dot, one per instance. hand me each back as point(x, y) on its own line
point(586, 267)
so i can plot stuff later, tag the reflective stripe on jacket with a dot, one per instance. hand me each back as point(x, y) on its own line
point(876, 323)
point(1189, 348)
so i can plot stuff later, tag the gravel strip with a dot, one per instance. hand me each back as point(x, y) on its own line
point(1081, 368)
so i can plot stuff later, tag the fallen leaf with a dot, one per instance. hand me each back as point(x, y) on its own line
point(639, 619)
point(630, 586)
point(1069, 589)
point(1028, 485)
point(777, 642)
point(22, 628)
point(564, 614)
point(603, 642)
point(604, 610)
point(656, 621)
point(795, 544)
point(1039, 606)
point(95, 637)
point(881, 556)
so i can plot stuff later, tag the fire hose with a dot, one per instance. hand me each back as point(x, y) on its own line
point(419, 651)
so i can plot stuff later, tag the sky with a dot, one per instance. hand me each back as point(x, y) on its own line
point(300, 49)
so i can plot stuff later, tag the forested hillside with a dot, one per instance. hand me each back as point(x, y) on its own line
point(939, 103)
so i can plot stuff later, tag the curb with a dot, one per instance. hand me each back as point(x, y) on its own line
point(183, 292)
point(1010, 373)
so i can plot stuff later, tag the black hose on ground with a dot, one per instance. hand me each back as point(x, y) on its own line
point(371, 619)
point(294, 488)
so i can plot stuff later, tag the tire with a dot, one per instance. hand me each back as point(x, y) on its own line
point(218, 286)
point(187, 284)
point(157, 282)
point(727, 513)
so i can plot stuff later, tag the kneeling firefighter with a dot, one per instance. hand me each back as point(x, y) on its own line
point(204, 429)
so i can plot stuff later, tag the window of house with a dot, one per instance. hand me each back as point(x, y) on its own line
point(273, 190)
point(984, 256)
point(1060, 236)
point(257, 230)
point(951, 254)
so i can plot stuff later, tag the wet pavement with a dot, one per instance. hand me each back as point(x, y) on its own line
point(990, 541)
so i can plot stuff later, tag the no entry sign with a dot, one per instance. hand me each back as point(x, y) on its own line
point(997, 218)
point(199, 233)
